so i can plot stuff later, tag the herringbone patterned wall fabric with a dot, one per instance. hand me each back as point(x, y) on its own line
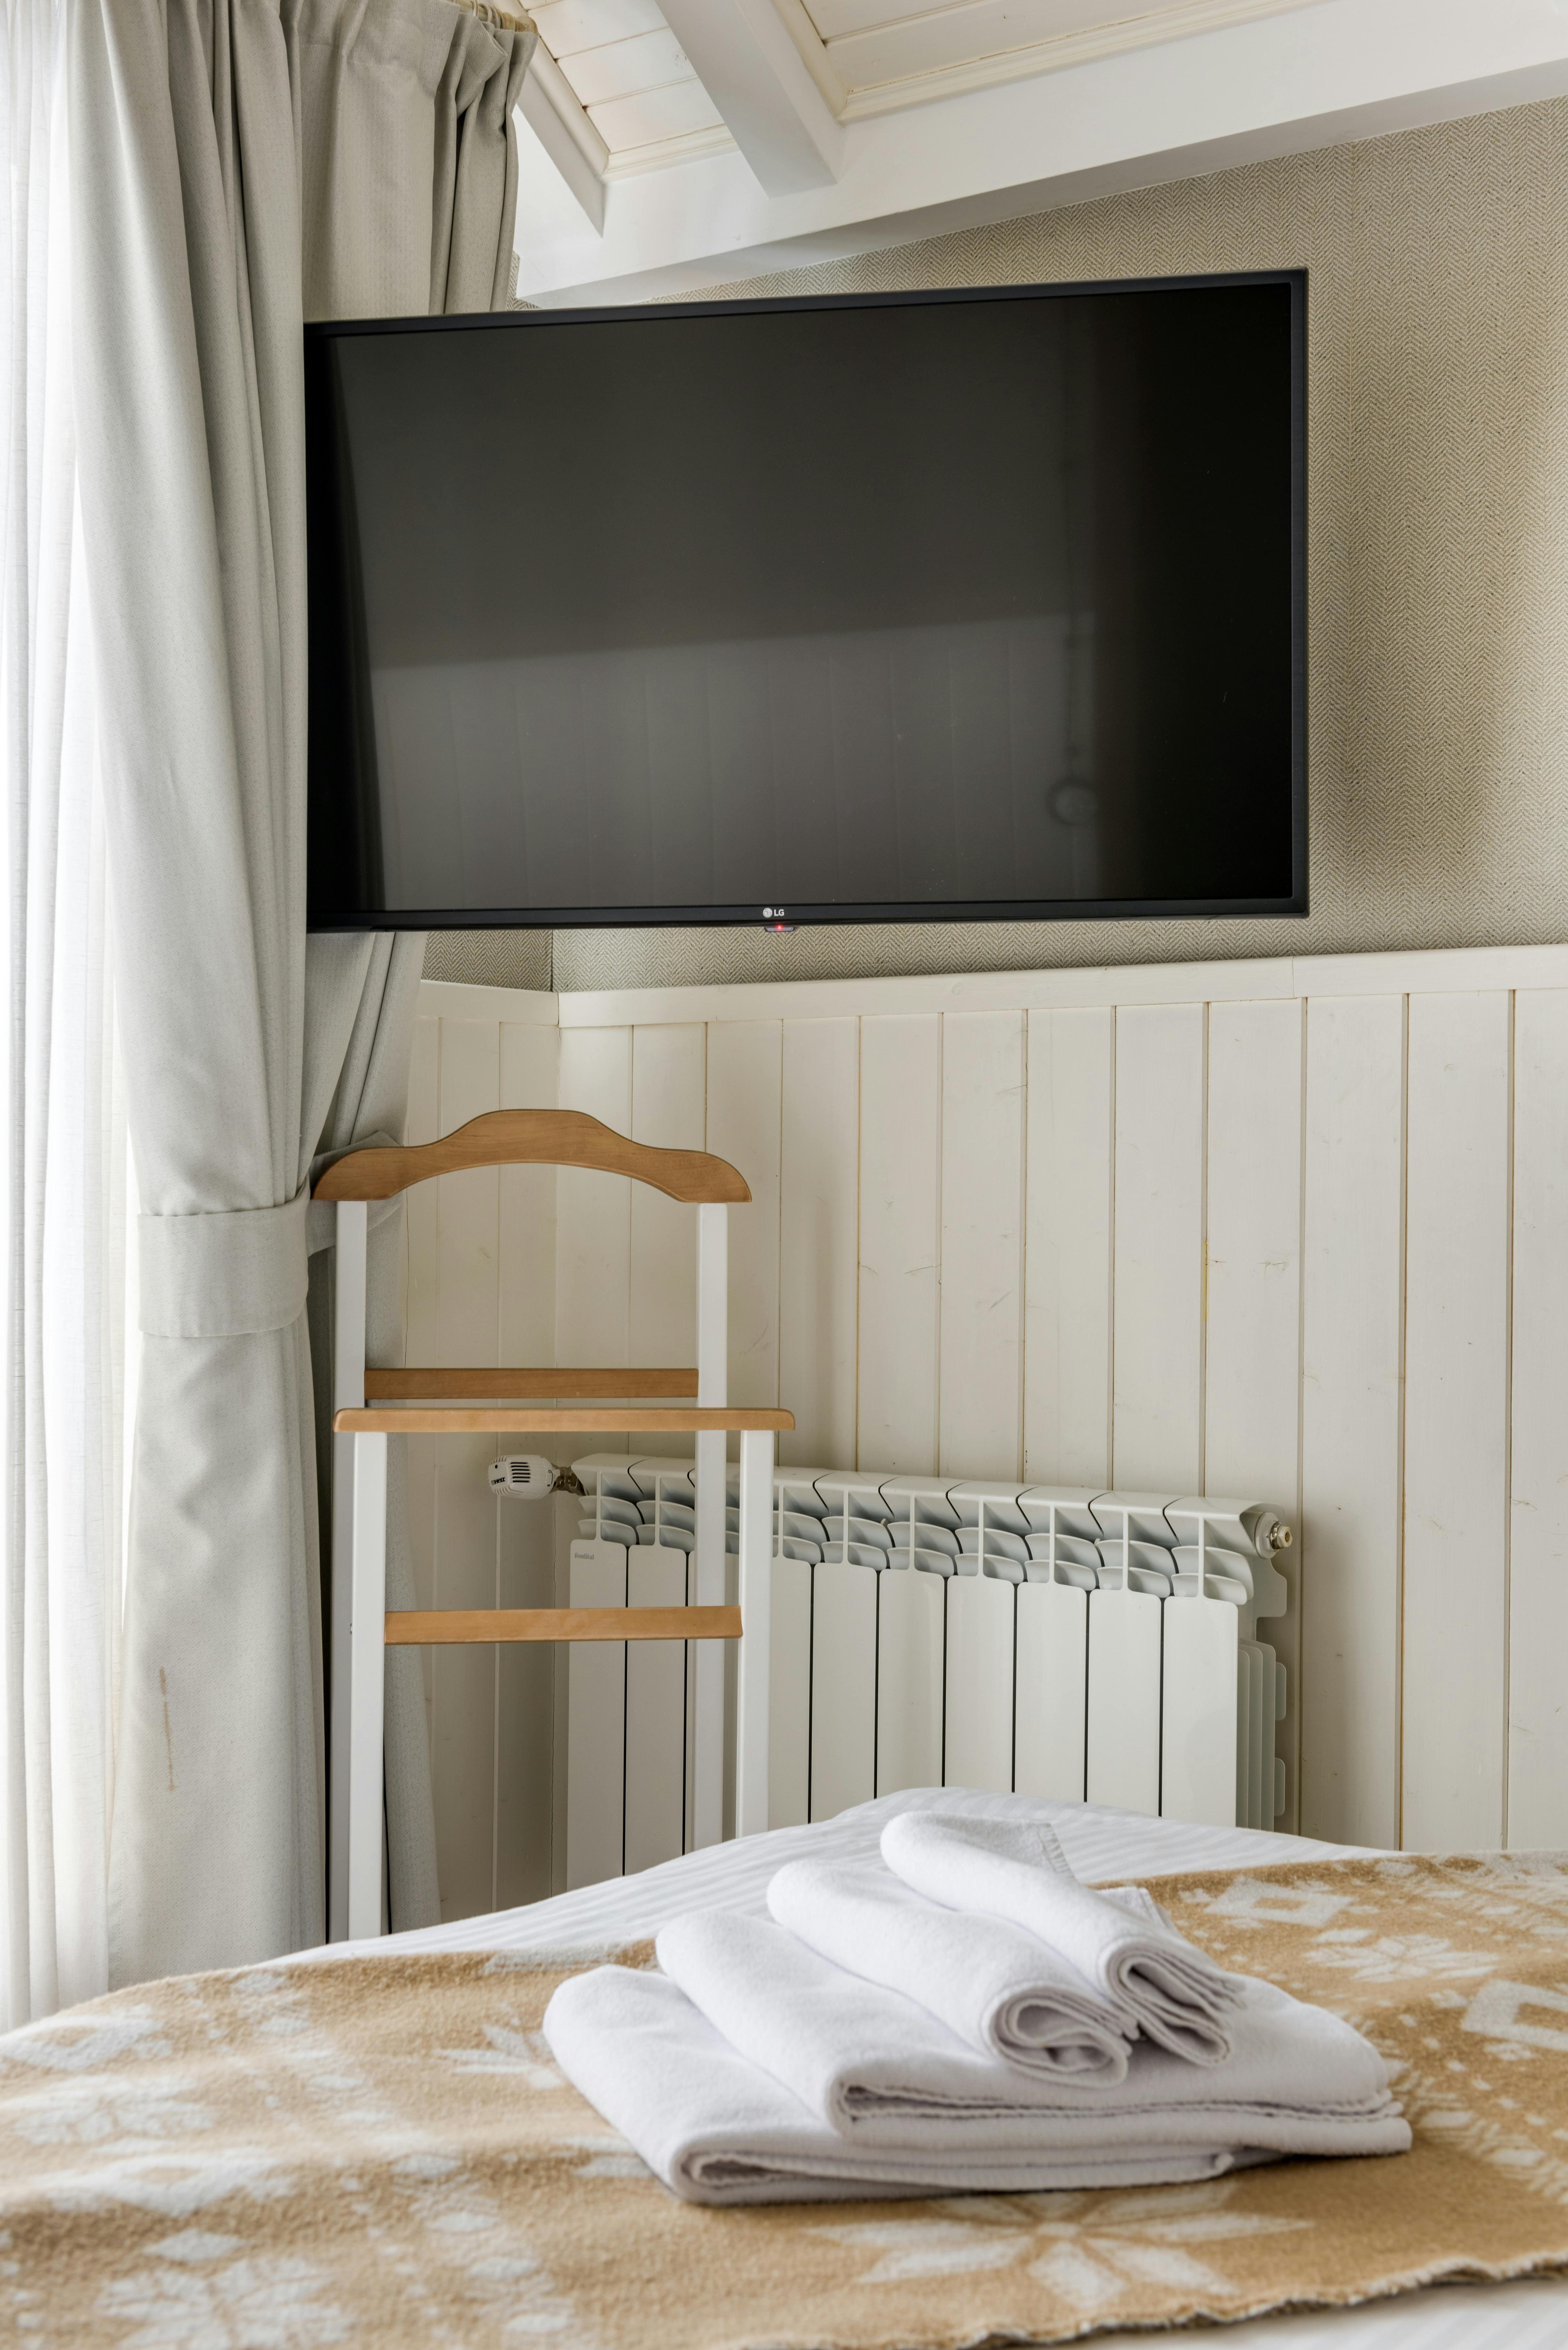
point(1439, 503)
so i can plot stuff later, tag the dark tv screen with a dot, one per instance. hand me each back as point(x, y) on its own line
point(968, 606)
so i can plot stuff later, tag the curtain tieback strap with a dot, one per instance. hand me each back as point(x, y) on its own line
point(226, 1275)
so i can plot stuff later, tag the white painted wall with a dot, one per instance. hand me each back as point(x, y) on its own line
point(1295, 1228)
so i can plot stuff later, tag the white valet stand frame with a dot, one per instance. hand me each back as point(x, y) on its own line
point(369, 1405)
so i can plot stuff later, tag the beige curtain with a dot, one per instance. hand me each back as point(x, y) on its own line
point(236, 166)
point(409, 174)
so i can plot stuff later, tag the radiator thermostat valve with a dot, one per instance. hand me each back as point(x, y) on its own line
point(524, 1476)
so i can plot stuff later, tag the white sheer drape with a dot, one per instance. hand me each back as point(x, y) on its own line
point(219, 164)
point(62, 1166)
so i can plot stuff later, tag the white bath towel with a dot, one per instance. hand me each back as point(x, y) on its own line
point(1127, 1947)
point(874, 2066)
point(1002, 1991)
point(717, 2129)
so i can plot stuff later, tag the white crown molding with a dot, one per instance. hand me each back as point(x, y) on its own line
point(690, 147)
point(453, 999)
point(1143, 32)
point(1436, 971)
point(1440, 971)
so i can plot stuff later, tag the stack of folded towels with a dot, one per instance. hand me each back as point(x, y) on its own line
point(964, 2015)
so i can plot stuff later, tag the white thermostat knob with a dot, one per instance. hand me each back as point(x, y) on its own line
point(525, 1476)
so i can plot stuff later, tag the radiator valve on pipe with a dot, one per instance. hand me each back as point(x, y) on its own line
point(529, 1477)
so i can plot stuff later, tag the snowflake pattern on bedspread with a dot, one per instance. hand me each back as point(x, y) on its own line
point(383, 2151)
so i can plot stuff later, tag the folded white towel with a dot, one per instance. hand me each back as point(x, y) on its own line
point(717, 2129)
point(1123, 1945)
point(877, 2068)
point(1002, 1991)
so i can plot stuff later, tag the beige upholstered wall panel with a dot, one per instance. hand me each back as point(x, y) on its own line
point(1439, 458)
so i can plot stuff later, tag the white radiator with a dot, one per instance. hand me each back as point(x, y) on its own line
point(927, 1631)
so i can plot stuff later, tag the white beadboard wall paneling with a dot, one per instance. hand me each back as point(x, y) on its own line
point(1353, 1364)
point(464, 1680)
point(985, 991)
point(529, 1079)
point(593, 1212)
point(1455, 1425)
point(1537, 1548)
point(451, 999)
point(983, 1174)
point(1067, 1247)
point(1252, 1411)
point(1157, 1315)
point(744, 1110)
point(901, 1240)
point(1297, 1226)
point(1434, 971)
point(669, 1110)
point(745, 1078)
point(818, 1213)
point(527, 1547)
point(1438, 971)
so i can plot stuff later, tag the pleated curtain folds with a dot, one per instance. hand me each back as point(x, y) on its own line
point(62, 1199)
point(237, 166)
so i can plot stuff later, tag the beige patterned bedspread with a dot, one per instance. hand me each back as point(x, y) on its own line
point(382, 2152)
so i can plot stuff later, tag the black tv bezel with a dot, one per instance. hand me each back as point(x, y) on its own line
point(981, 909)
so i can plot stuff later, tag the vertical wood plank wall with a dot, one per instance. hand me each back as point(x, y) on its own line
point(1294, 1228)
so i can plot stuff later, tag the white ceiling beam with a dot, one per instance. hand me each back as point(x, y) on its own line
point(757, 77)
point(550, 107)
point(1309, 76)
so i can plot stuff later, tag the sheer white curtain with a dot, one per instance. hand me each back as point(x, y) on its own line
point(183, 180)
point(62, 1164)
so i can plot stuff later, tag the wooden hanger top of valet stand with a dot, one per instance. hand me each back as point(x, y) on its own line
point(370, 1405)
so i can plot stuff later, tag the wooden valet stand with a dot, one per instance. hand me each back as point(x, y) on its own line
point(369, 1405)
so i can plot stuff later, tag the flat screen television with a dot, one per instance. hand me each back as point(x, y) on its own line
point(961, 606)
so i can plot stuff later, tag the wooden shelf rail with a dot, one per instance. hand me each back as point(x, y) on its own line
point(454, 1419)
point(552, 1379)
point(431, 1627)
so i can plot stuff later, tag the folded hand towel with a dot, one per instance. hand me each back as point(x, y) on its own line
point(716, 2129)
point(1124, 1946)
point(872, 2066)
point(1001, 1989)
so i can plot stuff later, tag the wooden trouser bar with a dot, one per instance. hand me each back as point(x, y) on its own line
point(457, 1420)
point(423, 1626)
point(441, 1386)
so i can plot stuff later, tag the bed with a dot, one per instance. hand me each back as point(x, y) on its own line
point(1101, 1844)
point(371, 2142)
